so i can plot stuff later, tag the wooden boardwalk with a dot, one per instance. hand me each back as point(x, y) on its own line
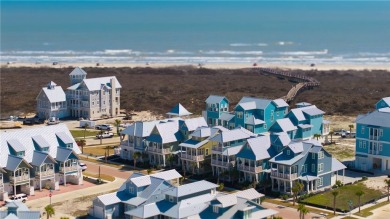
point(304, 82)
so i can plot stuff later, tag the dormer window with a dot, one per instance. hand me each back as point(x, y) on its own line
point(20, 154)
point(131, 190)
point(215, 209)
point(288, 152)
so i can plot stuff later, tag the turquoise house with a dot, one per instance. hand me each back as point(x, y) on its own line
point(373, 140)
point(215, 107)
point(384, 102)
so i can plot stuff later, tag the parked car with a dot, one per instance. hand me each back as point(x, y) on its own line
point(341, 132)
point(32, 121)
point(83, 166)
point(105, 135)
point(104, 127)
point(53, 121)
point(19, 197)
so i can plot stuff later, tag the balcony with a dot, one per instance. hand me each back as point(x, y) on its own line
point(374, 137)
point(284, 175)
point(217, 149)
point(374, 152)
point(1, 183)
point(257, 169)
point(17, 179)
point(222, 163)
point(127, 144)
point(69, 169)
point(47, 173)
point(196, 158)
point(159, 150)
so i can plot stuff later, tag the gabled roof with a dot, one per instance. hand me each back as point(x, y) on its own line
point(386, 100)
point(40, 157)
point(195, 123)
point(145, 211)
point(305, 126)
point(337, 165)
point(64, 137)
point(303, 104)
point(258, 103)
point(260, 148)
point(280, 103)
point(16, 145)
point(78, 71)
point(281, 137)
point(215, 99)
point(13, 163)
point(300, 149)
point(232, 150)
point(190, 143)
point(296, 147)
point(249, 194)
point(112, 198)
point(226, 116)
point(40, 141)
point(64, 153)
point(191, 188)
point(254, 121)
point(231, 135)
point(379, 117)
point(168, 132)
point(188, 208)
point(297, 112)
point(167, 175)
point(312, 110)
point(55, 94)
point(25, 137)
point(51, 84)
point(284, 124)
point(202, 132)
point(141, 181)
point(179, 110)
point(94, 84)
point(140, 129)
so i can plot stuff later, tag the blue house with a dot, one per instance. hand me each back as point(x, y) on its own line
point(309, 121)
point(307, 162)
point(373, 140)
point(18, 210)
point(257, 115)
point(155, 196)
point(215, 107)
point(383, 103)
point(284, 126)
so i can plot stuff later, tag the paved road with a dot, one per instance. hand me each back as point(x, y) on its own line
point(381, 213)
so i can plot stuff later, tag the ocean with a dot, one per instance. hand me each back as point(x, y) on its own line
point(291, 32)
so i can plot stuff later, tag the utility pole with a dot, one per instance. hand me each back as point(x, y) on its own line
point(50, 195)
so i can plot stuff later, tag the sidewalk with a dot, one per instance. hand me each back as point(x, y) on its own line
point(40, 203)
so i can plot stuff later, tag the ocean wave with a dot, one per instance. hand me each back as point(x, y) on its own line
point(284, 43)
point(300, 53)
point(247, 44)
point(230, 52)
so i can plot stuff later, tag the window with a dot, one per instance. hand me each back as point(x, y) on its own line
point(93, 103)
point(265, 126)
point(288, 152)
point(381, 132)
point(207, 152)
point(131, 190)
point(215, 209)
point(320, 181)
point(304, 168)
point(313, 168)
point(320, 167)
point(360, 144)
point(239, 115)
point(380, 147)
point(171, 198)
point(362, 129)
point(364, 144)
point(320, 155)
point(277, 113)
point(313, 156)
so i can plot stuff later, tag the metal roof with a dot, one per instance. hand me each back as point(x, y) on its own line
point(179, 110)
point(280, 103)
point(285, 125)
point(64, 137)
point(78, 71)
point(312, 110)
point(296, 147)
point(63, 154)
point(145, 211)
point(141, 181)
point(231, 135)
point(109, 199)
point(94, 84)
point(282, 137)
point(227, 200)
point(386, 100)
point(13, 163)
point(308, 178)
point(232, 150)
point(259, 103)
point(258, 148)
point(16, 145)
point(40, 141)
point(54, 94)
point(226, 116)
point(215, 99)
point(25, 137)
point(140, 129)
point(191, 188)
point(249, 194)
point(40, 157)
point(337, 165)
point(315, 149)
point(167, 175)
point(302, 104)
point(168, 132)
point(189, 207)
point(298, 114)
point(202, 132)
point(190, 143)
point(377, 118)
point(252, 120)
point(305, 126)
point(194, 123)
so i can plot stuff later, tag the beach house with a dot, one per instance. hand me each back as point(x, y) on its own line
point(38, 158)
point(306, 162)
point(373, 139)
point(215, 107)
point(51, 102)
point(383, 103)
point(94, 97)
point(157, 196)
point(225, 146)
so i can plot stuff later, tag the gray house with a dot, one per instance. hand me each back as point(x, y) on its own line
point(51, 102)
point(18, 210)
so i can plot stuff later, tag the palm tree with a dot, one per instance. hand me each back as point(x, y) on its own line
point(350, 129)
point(170, 159)
point(299, 209)
point(359, 194)
point(49, 211)
point(317, 136)
point(117, 123)
point(82, 143)
point(387, 182)
point(136, 156)
point(149, 171)
point(305, 211)
point(193, 166)
point(296, 189)
point(331, 133)
point(335, 193)
point(86, 125)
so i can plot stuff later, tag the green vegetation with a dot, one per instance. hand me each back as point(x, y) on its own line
point(49, 211)
point(102, 176)
point(99, 151)
point(367, 212)
point(346, 193)
point(80, 133)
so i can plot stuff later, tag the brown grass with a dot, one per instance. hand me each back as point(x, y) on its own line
point(159, 89)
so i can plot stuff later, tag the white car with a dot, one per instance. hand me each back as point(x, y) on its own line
point(104, 127)
point(83, 166)
point(19, 197)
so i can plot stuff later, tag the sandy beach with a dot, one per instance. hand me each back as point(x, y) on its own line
point(320, 67)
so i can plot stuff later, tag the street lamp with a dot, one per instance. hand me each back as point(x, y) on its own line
point(50, 195)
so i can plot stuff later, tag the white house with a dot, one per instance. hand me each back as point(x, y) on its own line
point(51, 102)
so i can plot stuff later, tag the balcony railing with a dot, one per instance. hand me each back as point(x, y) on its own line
point(45, 173)
point(21, 178)
point(374, 137)
point(284, 175)
point(224, 163)
point(374, 152)
point(68, 169)
point(192, 157)
point(257, 169)
point(1, 184)
point(159, 150)
point(127, 144)
point(217, 148)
